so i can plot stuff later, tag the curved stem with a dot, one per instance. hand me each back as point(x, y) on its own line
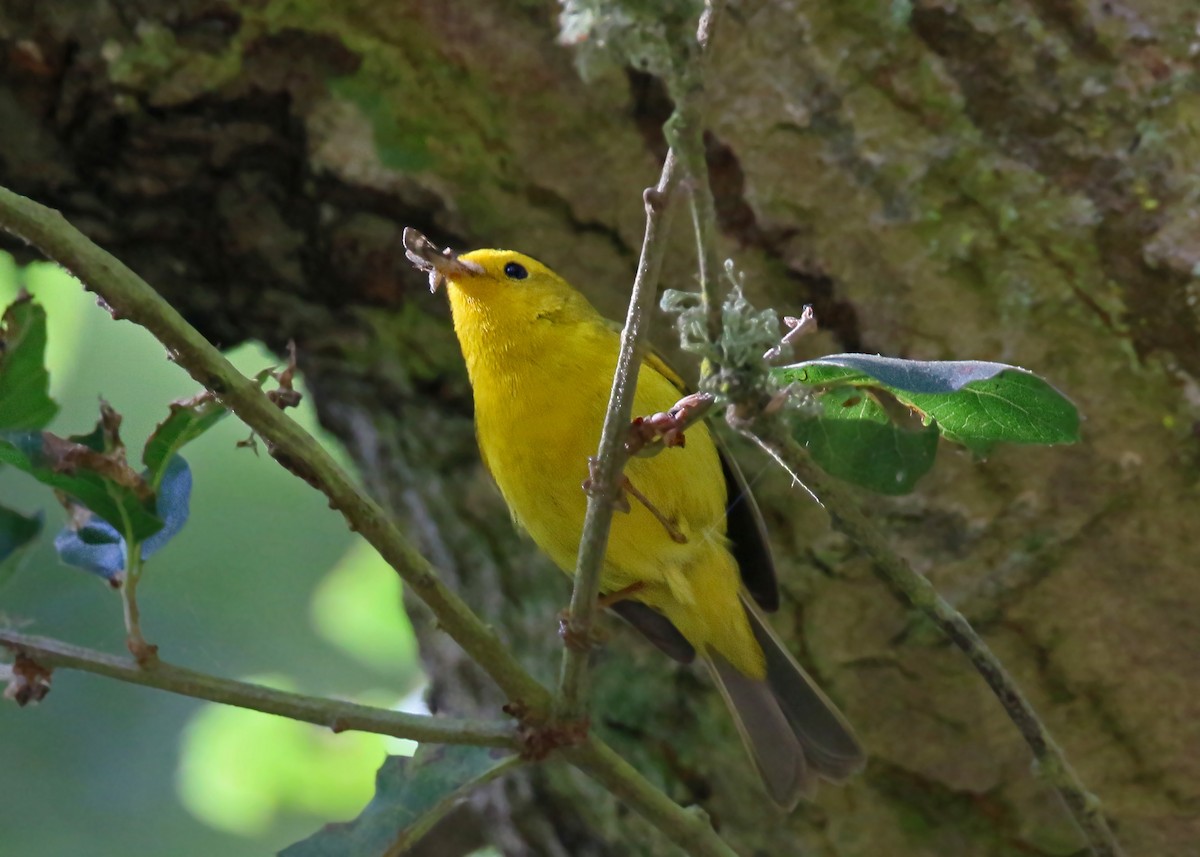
point(688, 828)
point(134, 641)
point(132, 298)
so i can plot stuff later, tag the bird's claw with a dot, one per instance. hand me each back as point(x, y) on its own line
point(649, 435)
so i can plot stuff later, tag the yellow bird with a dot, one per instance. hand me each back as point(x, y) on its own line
point(689, 565)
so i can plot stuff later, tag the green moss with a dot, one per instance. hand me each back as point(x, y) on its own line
point(431, 110)
point(168, 72)
point(400, 145)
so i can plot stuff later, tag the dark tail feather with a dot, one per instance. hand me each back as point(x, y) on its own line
point(830, 747)
point(765, 731)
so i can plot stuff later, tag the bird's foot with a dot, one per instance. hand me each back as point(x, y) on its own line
point(650, 435)
point(673, 531)
point(620, 502)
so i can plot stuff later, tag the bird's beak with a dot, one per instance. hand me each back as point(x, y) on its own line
point(441, 265)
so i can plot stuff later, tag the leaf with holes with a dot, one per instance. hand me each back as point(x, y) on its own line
point(95, 545)
point(188, 419)
point(91, 470)
point(973, 403)
point(854, 438)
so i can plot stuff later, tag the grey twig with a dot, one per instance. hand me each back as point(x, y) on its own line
point(338, 715)
point(610, 459)
point(605, 483)
point(690, 828)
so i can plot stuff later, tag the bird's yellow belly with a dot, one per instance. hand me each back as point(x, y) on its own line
point(542, 475)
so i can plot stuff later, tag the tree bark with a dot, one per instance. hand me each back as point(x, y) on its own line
point(1011, 182)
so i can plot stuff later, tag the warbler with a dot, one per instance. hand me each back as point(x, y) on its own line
point(688, 562)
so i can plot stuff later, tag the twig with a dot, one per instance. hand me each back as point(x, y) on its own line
point(144, 652)
point(131, 298)
point(338, 715)
point(800, 327)
point(603, 492)
point(848, 517)
point(611, 457)
point(690, 829)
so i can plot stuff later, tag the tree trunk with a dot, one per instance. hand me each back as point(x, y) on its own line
point(1003, 181)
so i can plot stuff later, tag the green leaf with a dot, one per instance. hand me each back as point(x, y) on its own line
point(411, 795)
point(25, 402)
point(17, 533)
point(188, 419)
point(973, 403)
point(854, 439)
point(98, 479)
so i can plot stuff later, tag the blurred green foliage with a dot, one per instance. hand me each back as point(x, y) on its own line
point(264, 580)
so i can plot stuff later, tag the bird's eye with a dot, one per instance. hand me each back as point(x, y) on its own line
point(515, 271)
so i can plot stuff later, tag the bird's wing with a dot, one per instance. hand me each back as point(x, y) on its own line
point(745, 528)
point(747, 533)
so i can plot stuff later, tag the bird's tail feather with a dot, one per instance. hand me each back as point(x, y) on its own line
point(830, 746)
point(766, 732)
point(792, 731)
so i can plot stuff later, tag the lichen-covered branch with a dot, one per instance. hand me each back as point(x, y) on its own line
point(690, 829)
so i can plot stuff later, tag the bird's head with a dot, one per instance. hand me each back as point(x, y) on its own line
point(502, 284)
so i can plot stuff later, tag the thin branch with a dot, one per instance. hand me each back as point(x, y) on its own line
point(848, 517)
point(690, 829)
point(338, 715)
point(704, 223)
point(144, 652)
point(605, 484)
point(131, 298)
point(611, 457)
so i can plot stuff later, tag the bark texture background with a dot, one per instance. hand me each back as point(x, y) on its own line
point(1005, 181)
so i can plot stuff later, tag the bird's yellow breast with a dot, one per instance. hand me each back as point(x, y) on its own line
point(537, 428)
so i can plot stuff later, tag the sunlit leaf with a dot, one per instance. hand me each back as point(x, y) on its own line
point(411, 795)
point(854, 439)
